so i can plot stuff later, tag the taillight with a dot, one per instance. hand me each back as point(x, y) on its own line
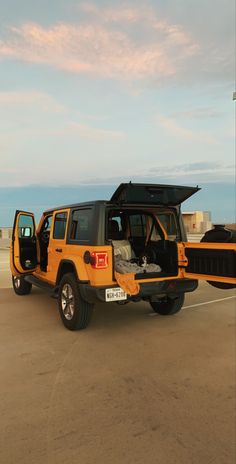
point(99, 259)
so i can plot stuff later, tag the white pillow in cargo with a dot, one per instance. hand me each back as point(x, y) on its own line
point(123, 250)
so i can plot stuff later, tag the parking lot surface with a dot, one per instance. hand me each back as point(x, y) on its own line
point(134, 387)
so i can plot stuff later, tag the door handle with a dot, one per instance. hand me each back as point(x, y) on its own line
point(59, 250)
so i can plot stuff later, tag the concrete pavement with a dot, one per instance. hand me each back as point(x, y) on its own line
point(5, 276)
point(132, 388)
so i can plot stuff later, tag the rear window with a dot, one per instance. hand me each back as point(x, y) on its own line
point(80, 229)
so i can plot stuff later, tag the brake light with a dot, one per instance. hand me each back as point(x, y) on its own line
point(99, 259)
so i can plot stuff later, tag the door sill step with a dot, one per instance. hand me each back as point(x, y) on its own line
point(39, 283)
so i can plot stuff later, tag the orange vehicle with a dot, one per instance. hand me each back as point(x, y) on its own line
point(131, 248)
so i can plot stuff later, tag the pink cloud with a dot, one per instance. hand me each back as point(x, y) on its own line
point(101, 47)
point(89, 132)
point(118, 14)
point(142, 15)
point(173, 128)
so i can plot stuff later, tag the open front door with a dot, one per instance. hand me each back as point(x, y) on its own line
point(215, 262)
point(24, 246)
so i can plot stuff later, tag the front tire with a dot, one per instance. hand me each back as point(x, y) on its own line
point(75, 312)
point(168, 306)
point(20, 286)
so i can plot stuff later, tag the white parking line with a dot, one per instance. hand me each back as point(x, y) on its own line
point(201, 304)
point(209, 302)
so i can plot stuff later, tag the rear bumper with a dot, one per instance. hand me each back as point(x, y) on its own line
point(147, 290)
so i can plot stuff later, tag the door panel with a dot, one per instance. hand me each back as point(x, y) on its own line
point(57, 243)
point(24, 247)
point(211, 261)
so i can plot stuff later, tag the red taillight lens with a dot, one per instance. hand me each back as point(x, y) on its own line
point(99, 259)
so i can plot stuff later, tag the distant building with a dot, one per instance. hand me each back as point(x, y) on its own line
point(197, 222)
point(5, 236)
point(5, 232)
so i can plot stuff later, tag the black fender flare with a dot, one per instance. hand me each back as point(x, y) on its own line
point(69, 267)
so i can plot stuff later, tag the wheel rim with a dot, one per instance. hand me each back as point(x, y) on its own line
point(17, 282)
point(67, 302)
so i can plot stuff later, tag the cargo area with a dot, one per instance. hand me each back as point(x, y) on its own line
point(144, 242)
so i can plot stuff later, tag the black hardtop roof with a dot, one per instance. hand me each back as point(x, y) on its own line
point(75, 205)
point(140, 194)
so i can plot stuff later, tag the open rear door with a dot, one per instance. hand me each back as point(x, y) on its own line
point(152, 194)
point(24, 244)
point(215, 262)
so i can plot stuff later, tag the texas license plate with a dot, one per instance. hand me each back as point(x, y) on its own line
point(115, 294)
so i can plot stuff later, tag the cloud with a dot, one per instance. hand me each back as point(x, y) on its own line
point(181, 43)
point(202, 171)
point(176, 173)
point(174, 128)
point(140, 16)
point(199, 166)
point(185, 174)
point(101, 46)
point(88, 132)
point(199, 113)
point(31, 97)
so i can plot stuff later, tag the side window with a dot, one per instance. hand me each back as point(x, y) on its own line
point(47, 224)
point(60, 226)
point(81, 224)
point(25, 226)
point(118, 220)
point(156, 233)
point(168, 221)
point(138, 225)
point(115, 230)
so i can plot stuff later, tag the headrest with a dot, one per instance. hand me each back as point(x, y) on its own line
point(113, 230)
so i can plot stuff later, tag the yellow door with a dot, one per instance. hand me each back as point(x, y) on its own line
point(24, 244)
point(57, 243)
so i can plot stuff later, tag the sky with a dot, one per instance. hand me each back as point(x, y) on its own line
point(97, 93)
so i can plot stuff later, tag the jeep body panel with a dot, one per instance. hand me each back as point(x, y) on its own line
point(148, 290)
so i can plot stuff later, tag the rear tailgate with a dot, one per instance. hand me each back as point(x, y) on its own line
point(209, 261)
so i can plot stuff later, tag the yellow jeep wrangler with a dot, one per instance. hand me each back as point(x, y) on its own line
point(131, 248)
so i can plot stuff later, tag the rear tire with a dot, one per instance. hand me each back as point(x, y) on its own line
point(168, 306)
point(21, 287)
point(75, 312)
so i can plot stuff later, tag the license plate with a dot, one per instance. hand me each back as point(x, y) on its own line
point(115, 294)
